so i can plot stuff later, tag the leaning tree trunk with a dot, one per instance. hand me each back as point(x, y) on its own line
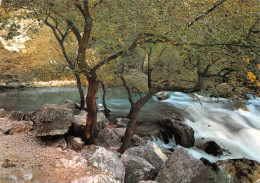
point(92, 109)
point(81, 93)
point(130, 130)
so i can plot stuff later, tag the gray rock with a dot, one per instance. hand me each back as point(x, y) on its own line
point(137, 169)
point(106, 161)
point(181, 167)
point(112, 138)
point(75, 143)
point(70, 104)
point(163, 95)
point(2, 113)
point(151, 152)
point(183, 134)
point(122, 122)
point(53, 120)
point(96, 179)
point(79, 122)
point(148, 181)
point(102, 121)
point(12, 177)
point(16, 115)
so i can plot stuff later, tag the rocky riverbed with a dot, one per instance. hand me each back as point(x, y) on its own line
point(43, 146)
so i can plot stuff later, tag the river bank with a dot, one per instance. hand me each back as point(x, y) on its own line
point(26, 155)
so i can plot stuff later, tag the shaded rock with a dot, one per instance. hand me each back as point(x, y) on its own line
point(79, 123)
point(112, 138)
point(243, 170)
point(102, 121)
point(183, 134)
point(30, 116)
point(2, 113)
point(19, 126)
point(122, 122)
point(53, 120)
point(96, 179)
point(182, 167)
point(16, 115)
point(150, 152)
point(213, 166)
point(106, 161)
point(163, 95)
point(137, 169)
point(212, 148)
point(55, 141)
point(75, 143)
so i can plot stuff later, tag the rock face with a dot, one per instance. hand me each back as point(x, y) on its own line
point(163, 95)
point(112, 138)
point(137, 169)
point(243, 170)
point(102, 121)
point(224, 90)
point(150, 152)
point(106, 161)
point(16, 115)
point(53, 120)
point(183, 134)
point(2, 113)
point(212, 148)
point(182, 167)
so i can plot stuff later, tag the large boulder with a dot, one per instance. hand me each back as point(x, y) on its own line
point(112, 138)
point(151, 152)
point(183, 134)
point(79, 122)
point(137, 169)
point(105, 161)
point(2, 113)
point(53, 120)
point(242, 170)
point(163, 95)
point(182, 167)
point(16, 115)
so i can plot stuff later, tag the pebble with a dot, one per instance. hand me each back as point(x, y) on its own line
point(28, 176)
point(13, 177)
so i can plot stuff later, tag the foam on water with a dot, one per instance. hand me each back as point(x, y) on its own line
point(237, 131)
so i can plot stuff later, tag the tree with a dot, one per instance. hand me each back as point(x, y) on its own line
point(206, 61)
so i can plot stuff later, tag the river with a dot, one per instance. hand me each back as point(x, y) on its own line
point(212, 119)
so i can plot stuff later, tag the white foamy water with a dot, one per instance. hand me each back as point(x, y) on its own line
point(235, 130)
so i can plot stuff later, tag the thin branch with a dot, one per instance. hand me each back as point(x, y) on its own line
point(206, 13)
point(139, 93)
point(251, 28)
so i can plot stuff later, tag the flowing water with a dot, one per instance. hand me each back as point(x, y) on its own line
point(235, 130)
